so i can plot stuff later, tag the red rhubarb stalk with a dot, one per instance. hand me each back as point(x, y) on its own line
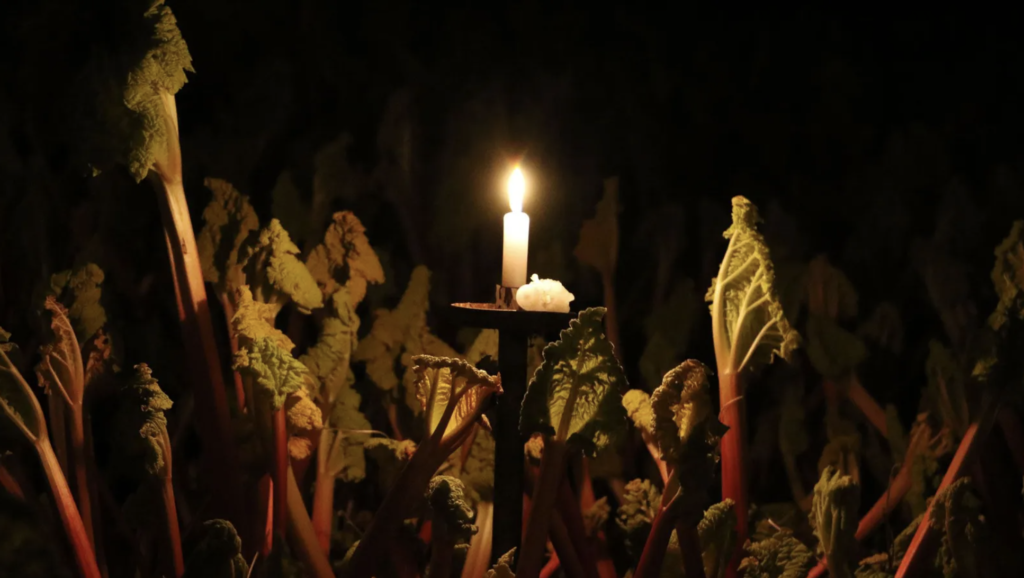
point(85, 558)
point(171, 513)
point(280, 471)
point(542, 504)
point(918, 553)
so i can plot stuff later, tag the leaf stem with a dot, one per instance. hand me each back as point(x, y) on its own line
point(552, 467)
point(85, 558)
point(81, 471)
point(657, 543)
point(280, 471)
point(171, 511)
point(918, 552)
point(734, 453)
point(571, 517)
point(323, 494)
point(197, 326)
point(301, 535)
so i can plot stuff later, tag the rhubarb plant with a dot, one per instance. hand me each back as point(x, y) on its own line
point(149, 445)
point(21, 412)
point(453, 395)
point(750, 329)
point(688, 434)
point(136, 124)
point(575, 401)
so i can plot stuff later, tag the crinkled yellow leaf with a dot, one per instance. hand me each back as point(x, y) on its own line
point(381, 348)
point(79, 289)
point(274, 371)
point(254, 320)
point(228, 221)
point(345, 257)
point(274, 272)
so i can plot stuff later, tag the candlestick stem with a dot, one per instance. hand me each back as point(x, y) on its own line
point(508, 445)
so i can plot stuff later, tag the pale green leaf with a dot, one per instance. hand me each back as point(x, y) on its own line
point(274, 371)
point(748, 323)
point(717, 531)
point(834, 515)
point(576, 392)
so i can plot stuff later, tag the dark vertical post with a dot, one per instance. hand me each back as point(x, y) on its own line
point(508, 445)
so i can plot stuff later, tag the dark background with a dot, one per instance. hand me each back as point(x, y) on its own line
point(877, 139)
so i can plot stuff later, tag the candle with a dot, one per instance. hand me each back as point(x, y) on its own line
point(517, 234)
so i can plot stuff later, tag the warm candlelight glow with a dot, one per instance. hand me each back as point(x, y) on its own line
point(516, 188)
point(517, 233)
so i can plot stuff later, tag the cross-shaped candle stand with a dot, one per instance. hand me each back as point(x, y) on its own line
point(515, 327)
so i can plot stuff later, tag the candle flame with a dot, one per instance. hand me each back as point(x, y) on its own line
point(516, 188)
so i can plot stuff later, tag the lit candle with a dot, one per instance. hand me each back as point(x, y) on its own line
point(517, 234)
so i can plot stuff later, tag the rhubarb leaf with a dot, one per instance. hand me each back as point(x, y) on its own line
point(833, 351)
point(79, 289)
point(640, 504)
point(274, 371)
point(228, 221)
point(345, 258)
point(638, 407)
point(303, 421)
point(955, 515)
point(748, 323)
point(448, 504)
point(668, 330)
point(834, 514)
point(390, 457)
point(717, 533)
point(347, 433)
point(1008, 278)
point(219, 553)
point(61, 364)
point(778, 556)
point(274, 272)
point(144, 404)
point(686, 425)
point(329, 359)
point(503, 569)
point(599, 238)
point(383, 345)
point(254, 320)
point(576, 393)
point(452, 394)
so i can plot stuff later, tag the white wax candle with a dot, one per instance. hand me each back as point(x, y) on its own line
point(517, 234)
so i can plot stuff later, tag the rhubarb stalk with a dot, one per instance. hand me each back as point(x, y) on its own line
point(922, 545)
point(749, 329)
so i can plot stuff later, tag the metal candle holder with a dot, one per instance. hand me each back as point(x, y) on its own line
point(514, 327)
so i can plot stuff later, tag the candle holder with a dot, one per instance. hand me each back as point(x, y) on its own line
point(515, 326)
